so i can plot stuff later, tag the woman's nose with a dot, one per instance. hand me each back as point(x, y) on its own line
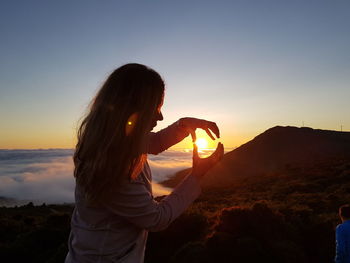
point(160, 116)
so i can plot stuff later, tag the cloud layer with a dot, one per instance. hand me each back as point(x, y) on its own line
point(47, 175)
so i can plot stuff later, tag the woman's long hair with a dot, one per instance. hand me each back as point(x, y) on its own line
point(105, 152)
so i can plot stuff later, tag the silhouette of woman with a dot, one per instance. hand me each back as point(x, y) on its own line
point(114, 205)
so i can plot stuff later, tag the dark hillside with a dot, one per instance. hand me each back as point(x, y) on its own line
point(275, 150)
point(288, 216)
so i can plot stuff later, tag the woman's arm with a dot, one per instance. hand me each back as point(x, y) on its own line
point(136, 204)
point(165, 138)
point(177, 131)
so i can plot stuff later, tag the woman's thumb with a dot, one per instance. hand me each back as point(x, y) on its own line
point(219, 152)
point(195, 151)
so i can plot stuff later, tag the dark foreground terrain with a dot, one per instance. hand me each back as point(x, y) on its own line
point(287, 217)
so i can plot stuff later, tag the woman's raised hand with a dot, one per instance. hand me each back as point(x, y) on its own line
point(191, 124)
point(200, 166)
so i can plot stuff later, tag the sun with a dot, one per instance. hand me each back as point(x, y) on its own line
point(202, 143)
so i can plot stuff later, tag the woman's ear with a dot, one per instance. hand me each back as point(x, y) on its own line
point(130, 123)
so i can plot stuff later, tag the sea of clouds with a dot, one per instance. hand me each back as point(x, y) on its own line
point(46, 176)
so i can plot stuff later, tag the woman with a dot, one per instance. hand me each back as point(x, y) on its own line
point(114, 205)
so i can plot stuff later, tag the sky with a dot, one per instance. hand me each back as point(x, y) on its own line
point(247, 65)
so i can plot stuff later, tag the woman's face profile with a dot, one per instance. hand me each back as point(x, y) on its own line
point(132, 120)
point(158, 116)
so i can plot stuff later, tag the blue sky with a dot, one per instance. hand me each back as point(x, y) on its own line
point(248, 65)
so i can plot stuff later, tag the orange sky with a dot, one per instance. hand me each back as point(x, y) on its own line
point(248, 67)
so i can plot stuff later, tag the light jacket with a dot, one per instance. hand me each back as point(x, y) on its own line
point(117, 231)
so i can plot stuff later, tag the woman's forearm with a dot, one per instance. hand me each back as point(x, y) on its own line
point(165, 138)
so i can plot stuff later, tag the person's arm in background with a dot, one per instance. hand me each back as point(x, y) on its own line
point(176, 132)
point(340, 245)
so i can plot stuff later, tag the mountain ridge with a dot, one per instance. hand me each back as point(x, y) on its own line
point(272, 151)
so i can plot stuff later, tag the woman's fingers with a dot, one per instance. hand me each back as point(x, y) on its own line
point(212, 126)
point(218, 154)
point(209, 125)
point(193, 135)
point(193, 123)
point(209, 133)
point(201, 166)
point(195, 155)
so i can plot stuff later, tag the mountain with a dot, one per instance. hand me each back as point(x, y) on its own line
point(273, 151)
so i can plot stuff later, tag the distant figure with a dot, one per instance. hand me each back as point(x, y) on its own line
point(343, 236)
point(114, 204)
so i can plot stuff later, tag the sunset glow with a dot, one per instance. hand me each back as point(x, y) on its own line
point(222, 125)
point(202, 143)
point(229, 83)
